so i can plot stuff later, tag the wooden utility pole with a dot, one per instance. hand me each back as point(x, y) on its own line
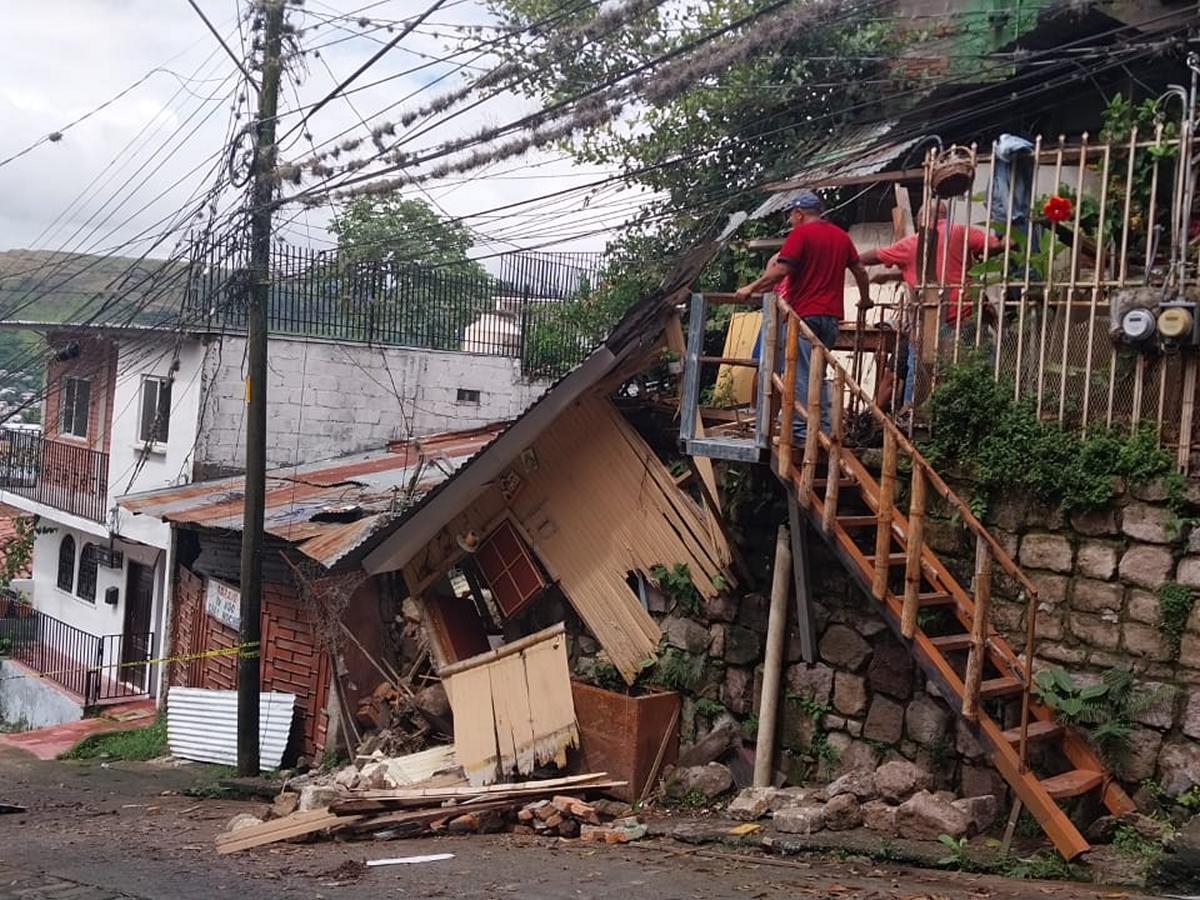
point(262, 202)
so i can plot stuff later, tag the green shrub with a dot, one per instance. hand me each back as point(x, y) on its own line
point(1000, 442)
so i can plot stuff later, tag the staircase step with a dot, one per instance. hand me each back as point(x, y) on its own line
point(1073, 783)
point(819, 484)
point(937, 598)
point(894, 559)
point(849, 522)
point(948, 643)
point(1001, 687)
point(1038, 731)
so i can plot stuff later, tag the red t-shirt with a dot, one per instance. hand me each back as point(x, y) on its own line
point(819, 254)
point(949, 263)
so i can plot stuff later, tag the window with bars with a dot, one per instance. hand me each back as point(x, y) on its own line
point(75, 399)
point(89, 565)
point(156, 410)
point(66, 564)
point(509, 570)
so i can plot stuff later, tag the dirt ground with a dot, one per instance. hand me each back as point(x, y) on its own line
point(95, 831)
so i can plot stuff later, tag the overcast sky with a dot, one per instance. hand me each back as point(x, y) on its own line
point(127, 170)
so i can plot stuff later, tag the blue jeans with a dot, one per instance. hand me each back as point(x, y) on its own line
point(826, 330)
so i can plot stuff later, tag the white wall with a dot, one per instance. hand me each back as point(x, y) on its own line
point(97, 618)
point(327, 399)
point(164, 465)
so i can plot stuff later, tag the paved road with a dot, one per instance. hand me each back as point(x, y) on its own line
point(94, 833)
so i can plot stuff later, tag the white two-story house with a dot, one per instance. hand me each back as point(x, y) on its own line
point(128, 409)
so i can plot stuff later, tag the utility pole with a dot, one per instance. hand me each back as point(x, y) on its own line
point(262, 200)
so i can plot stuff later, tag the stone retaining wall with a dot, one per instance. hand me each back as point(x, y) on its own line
point(1097, 576)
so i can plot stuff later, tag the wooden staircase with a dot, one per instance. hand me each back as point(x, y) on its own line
point(973, 667)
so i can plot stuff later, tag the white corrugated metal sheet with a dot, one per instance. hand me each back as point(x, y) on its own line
point(202, 725)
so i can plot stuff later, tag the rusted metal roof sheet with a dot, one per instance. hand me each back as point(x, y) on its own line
point(859, 152)
point(327, 509)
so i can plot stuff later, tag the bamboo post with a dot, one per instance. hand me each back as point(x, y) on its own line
point(1030, 641)
point(787, 413)
point(836, 411)
point(764, 753)
point(883, 526)
point(980, 623)
point(812, 423)
point(916, 544)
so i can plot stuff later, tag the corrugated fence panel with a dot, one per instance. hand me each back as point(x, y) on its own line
point(202, 725)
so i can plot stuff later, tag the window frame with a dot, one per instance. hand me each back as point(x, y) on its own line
point(66, 545)
point(68, 412)
point(154, 439)
point(87, 555)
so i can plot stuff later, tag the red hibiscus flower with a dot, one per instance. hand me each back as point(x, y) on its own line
point(1058, 209)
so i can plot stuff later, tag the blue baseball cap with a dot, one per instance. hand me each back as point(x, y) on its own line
point(806, 200)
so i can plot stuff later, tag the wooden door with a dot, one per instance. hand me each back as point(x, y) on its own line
point(135, 637)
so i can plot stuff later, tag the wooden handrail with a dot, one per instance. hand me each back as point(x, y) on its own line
point(979, 633)
point(883, 520)
point(787, 413)
point(998, 552)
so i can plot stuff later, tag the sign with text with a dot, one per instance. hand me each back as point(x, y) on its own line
point(224, 604)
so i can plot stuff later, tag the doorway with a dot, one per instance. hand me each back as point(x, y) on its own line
point(136, 635)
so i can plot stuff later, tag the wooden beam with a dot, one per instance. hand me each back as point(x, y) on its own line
point(787, 412)
point(764, 752)
point(812, 422)
point(916, 544)
point(800, 575)
point(836, 434)
point(980, 625)
point(500, 652)
point(883, 526)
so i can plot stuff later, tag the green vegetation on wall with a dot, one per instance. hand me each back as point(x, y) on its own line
point(999, 442)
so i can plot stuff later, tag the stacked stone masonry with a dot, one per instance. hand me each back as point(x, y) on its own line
point(1098, 575)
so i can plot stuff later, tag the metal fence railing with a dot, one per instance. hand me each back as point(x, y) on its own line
point(1083, 233)
point(93, 667)
point(457, 307)
point(65, 476)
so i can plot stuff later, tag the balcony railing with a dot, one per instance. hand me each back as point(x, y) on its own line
point(96, 668)
point(73, 479)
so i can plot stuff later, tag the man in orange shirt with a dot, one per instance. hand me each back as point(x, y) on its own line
point(951, 268)
point(811, 268)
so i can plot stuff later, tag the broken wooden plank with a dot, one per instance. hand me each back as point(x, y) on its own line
point(295, 825)
point(463, 791)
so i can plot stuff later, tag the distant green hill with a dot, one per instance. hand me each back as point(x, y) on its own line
point(49, 286)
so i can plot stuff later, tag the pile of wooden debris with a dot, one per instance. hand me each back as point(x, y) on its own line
point(554, 804)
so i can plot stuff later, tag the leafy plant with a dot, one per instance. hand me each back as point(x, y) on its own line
point(887, 851)
point(1128, 841)
point(677, 671)
point(1175, 603)
point(1104, 710)
point(710, 709)
point(5, 646)
point(676, 582)
point(820, 751)
point(1189, 799)
point(750, 728)
point(1001, 443)
point(1041, 866)
point(956, 857)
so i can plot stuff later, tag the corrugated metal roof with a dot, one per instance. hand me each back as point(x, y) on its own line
point(325, 509)
point(859, 152)
point(202, 725)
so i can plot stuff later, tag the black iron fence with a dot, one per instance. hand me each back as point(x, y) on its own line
point(458, 306)
point(65, 476)
point(93, 667)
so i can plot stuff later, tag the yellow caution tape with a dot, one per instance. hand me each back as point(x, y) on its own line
point(184, 657)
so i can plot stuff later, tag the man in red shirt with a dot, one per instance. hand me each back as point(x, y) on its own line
point(951, 269)
point(810, 271)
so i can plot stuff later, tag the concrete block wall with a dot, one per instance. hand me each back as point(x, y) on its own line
point(328, 399)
